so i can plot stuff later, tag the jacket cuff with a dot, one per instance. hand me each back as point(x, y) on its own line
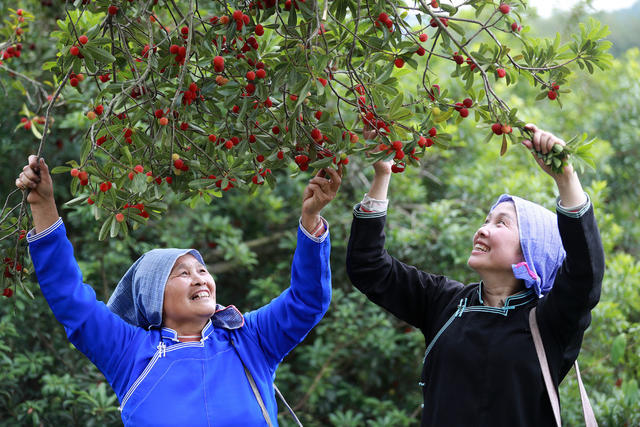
point(359, 213)
point(317, 239)
point(32, 236)
point(573, 212)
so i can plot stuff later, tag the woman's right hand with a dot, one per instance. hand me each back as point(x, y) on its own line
point(381, 167)
point(36, 179)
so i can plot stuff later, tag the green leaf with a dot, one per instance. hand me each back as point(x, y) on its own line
point(104, 230)
point(617, 348)
point(100, 54)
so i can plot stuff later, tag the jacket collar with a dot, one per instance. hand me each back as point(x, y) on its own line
point(228, 317)
point(513, 301)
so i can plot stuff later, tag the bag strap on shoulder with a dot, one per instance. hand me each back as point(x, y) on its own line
point(589, 417)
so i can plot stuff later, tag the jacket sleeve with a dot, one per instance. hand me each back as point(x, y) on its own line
point(408, 293)
point(565, 313)
point(283, 323)
point(90, 326)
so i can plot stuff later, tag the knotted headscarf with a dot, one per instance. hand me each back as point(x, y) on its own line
point(540, 242)
point(139, 296)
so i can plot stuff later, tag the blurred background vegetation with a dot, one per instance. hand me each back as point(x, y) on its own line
point(360, 366)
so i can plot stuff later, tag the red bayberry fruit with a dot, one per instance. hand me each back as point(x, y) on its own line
point(318, 115)
point(159, 114)
point(432, 132)
point(212, 138)
point(501, 72)
point(259, 30)
point(178, 163)
point(104, 187)
point(421, 51)
point(218, 64)
point(163, 121)
point(138, 168)
point(83, 39)
point(275, 130)
point(399, 62)
point(8, 292)
point(113, 10)
point(383, 17)
point(75, 172)
point(74, 50)
point(260, 158)
point(467, 102)
point(464, 112)
point(423, 37)
point(552, 94)
point(261, 74)
point(73, 82)
point(505, 8)
point(251, 75)
point(119, 217)
point(506, 129)
point(184, 30)
point(99, 109)
point(496, 128)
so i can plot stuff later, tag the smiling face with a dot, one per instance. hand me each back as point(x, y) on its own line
point(496, 245)
point(189, 296)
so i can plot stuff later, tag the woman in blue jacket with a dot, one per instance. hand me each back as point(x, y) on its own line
point(171, 353)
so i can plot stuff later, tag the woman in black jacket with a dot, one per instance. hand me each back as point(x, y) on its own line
point(480, 365)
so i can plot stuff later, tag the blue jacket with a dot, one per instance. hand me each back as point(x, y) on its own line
point(161, 381)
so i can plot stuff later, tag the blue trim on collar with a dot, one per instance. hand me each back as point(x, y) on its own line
point(513, 301)
point(228, 317)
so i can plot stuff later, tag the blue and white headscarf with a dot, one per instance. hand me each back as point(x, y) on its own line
point(540, 242)
point(139, 296)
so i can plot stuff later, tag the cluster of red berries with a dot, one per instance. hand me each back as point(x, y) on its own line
point(428, 142)
point(515, 27)
point(384, 19)
point(143, 213)
point(444, 21)
point(12, 51)
point(462, 107)
point(553, 92)
point(75, 79)
point(180, 165)
point(192, 94)
point(136, 170)
point(302, 160)
point(294, 3)
point(9, 265)
point(105, 186)
point(499, 129)
point(241, 19)
point(83, 176)
point(105, 77)
point(180, 53)
point(26, 122)
point(261, 173)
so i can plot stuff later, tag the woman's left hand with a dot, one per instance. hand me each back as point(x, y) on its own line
point(543, 142)
point(569, 186)
point(321, 190)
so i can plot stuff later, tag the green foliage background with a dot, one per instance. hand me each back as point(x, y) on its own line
point(359, 366)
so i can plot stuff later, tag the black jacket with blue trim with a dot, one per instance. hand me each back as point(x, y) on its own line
point(480, 366)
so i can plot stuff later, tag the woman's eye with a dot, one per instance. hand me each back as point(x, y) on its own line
point(183, 273)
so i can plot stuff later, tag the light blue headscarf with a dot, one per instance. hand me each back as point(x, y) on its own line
point(541, 244)
point(139, 296)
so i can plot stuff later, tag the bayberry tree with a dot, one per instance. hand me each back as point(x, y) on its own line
point(201, 98)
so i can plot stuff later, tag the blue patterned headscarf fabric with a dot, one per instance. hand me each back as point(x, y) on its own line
point(541, 244)
point(139, 296)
